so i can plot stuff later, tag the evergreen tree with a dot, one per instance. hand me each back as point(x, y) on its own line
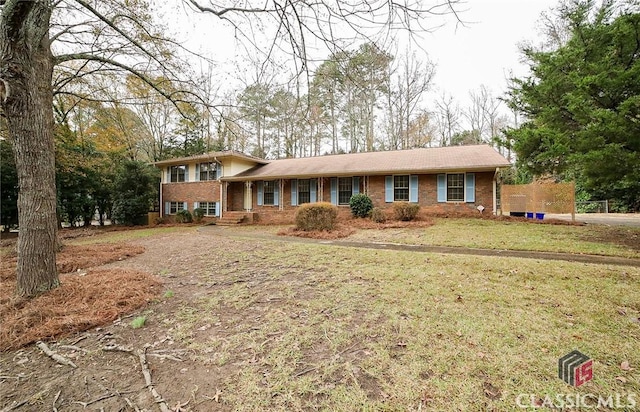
point(135, 189)
point(582, 102)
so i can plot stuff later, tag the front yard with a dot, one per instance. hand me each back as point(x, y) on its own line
point(477, 233)
point(254, 322)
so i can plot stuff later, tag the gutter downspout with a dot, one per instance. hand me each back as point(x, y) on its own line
point(161, 205)
point(495, 191)
point(220, 185)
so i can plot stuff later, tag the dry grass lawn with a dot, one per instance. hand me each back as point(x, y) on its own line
point(516, 235)
point(275, 325)
point(322, 327)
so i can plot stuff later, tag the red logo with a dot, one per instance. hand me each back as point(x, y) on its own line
point(584, 373)
point(575, 368)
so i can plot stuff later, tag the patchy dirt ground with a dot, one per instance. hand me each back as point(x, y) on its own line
point(176, 346)
point(113, 380)
point(108, 380)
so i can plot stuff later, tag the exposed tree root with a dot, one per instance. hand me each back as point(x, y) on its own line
point(55, 356)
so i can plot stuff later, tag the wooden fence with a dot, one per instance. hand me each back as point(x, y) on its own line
point(539, 198)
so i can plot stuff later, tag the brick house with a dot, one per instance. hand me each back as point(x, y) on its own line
point(230, 183)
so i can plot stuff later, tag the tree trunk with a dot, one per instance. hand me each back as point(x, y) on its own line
point(26, 66)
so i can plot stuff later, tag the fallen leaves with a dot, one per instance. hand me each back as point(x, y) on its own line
point(621, 379)
point(625, 366)
point(491, 391)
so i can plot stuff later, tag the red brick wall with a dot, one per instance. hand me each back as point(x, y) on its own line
point(190, 192)
point(484, 190)
point(427, 194)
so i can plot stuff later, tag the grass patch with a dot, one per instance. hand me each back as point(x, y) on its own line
point(138, 322)
point(118, 236)
point(356, 329)
point(491, 234)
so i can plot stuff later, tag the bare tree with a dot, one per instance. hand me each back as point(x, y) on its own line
point(475, 113)
point(118, 36)
point(406, 91)
point(447, 116)
point(158, 115)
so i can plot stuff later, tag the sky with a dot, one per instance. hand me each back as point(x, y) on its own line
point(486, 50)
point(482, 52)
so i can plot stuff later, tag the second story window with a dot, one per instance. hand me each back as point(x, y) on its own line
point(178, 173)
point(208, 170)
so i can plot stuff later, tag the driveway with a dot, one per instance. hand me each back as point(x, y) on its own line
point(610, 219)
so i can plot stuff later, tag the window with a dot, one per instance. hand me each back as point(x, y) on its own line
point(304, 191)
point(175, 207)
point(269, 188)
point(345, 190)
point(455, 187)
point(401, 188)
point(208, 171)
point(178, 173)
point(208, 207)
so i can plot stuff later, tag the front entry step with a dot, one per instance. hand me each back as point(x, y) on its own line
point(231, 218)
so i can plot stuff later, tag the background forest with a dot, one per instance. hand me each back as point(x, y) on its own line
point(575, 116)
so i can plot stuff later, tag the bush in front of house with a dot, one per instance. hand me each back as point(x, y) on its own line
point(378, 215)
point(405, 211)
point(360, 205)
point(316, 216)
point(184, 216)
point(198, 214)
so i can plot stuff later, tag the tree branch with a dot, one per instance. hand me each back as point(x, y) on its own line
point(170, 96)
point(222, 12)
point(120, 31)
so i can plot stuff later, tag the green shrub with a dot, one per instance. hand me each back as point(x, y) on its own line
point(316, 216)
point(198, 214)
point(378, 215)
point(360, 205)
point(406, 211)
point(184, 216)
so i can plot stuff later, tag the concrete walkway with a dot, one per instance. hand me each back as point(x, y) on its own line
point(229, 231)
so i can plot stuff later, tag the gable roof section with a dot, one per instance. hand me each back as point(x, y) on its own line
point(417, 161)
point(207, 157)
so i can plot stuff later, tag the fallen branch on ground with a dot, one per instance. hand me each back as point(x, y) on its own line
point(15, 406)
point(53, 355)
point(132, 405)
point(55, 400)
point(170, 357)
point(142, 357)
point(72, 347)
point(101, 398)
